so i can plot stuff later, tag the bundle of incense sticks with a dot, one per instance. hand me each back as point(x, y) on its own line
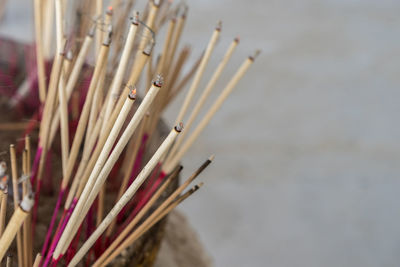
point(87, 78)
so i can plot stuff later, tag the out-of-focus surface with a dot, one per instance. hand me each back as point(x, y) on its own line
point(306, 168)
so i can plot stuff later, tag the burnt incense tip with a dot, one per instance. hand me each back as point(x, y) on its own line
point(135, 18)
point(180, 168)
point(108, 39)
point(237, 39)
point(149, 47)
point(109, 10)
point(179, 127)
point(132, 92)
point(159, 81)
point(219, 26)
point(255, 55)
point(211, 158)
point(92, 30)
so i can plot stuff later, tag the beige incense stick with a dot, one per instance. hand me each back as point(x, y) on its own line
point(72, 79)
point(149, 22)
point(131, 158)
point(85, 111)
point(139, 216)
point(155, 217)
point(130, 192)
point(143, 211)
point(140, 112)
point(48, 22)
point(167, 44)
point(170, 165)
point(205, 94)
point(140, 61)
point(59, 24)
point(176, 37)
point(13, 226)
point(64, 128)
point(89, 159)
point(48, 110)
point(129, 161)
point(199, 73)
point(14, 174)
point(9, 261)
point(3, 209)
point(37, 260)
point(119, 74)
point(39, 50)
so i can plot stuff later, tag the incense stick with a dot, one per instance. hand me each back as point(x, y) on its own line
point(210, 85)
point(3, 209)
point(169, 165)
point(154, 218)
point(199, 73)
point(143, 211)
point(104, 154)
point(39, 50)
point(14, 175)
point(127, 195)
point(14, 224)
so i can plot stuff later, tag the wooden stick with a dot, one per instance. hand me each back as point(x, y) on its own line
point(14, 174)
point(199, 73)
point(85, 112)
point(140, 215)
point(3, 209)
point(13, 226)
point(39, 50)
point(9, 261)
point(210, 85)
point(176, 36)
point(37, 260)
point(129, 161)
point(59, 25)
point(48, 110)
point(130, 192)
point(170, 165)
point(48, 18)
point(73, 78)
point(64, 127)
point(140, 61)
point(155, 217)
point(144, 210)
point(140, 112)
point(119, 75)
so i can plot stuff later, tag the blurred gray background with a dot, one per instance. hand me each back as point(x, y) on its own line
point(307, 153)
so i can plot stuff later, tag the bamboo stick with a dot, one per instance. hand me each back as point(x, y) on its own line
point(154, 218)
point(39, 50)
point(85, 112)
point(37, 260)
point(3, 209)
point(169, 165)
point(14, 175)
point(210, 85)
point(14, 225)
point(143, 211)
point(140, 112)
point(199, 73)
point(127, 195)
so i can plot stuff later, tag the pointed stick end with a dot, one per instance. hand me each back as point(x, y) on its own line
point(211, 158)
point(237, 39)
